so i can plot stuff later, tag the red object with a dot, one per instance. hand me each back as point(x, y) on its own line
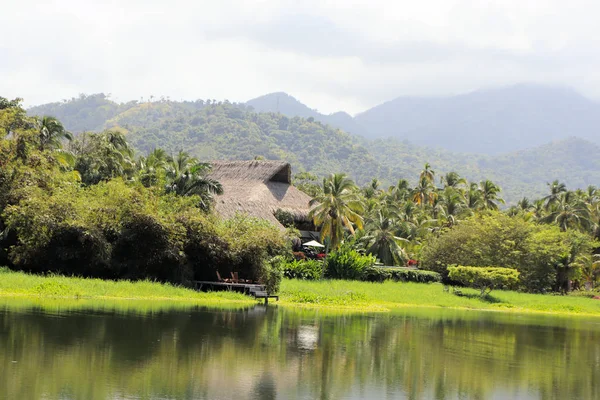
point(412, 262)
point(321, 256)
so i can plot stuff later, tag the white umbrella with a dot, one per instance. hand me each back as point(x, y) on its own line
point(313, 243)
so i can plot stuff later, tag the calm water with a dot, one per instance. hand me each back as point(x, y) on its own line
point(114, 352)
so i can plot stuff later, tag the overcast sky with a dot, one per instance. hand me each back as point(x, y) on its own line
point(330, 54)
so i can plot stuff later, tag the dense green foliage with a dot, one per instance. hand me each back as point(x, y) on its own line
point(484, 278)
point(545, 256)
point(214, 130)
point(304, 269)
point(92, 209)
point(400, 274)
point(347, 263)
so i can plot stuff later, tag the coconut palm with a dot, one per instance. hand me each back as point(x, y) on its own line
point(556, 188)
point(569, 212)
point(338, 208)
point(489, 195)
point(590, 269)
point(427, 173)
point(424, 193)
point(473, 196)
point(453, 206)
point(381, 241)
point(186, 176)
point(452, 179)
point(50, 133)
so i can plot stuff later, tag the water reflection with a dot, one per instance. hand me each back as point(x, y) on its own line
point(270, 353)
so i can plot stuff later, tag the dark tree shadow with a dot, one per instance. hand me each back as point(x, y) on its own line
point(487, 298)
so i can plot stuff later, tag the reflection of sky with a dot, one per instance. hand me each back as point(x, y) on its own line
point(308, 337)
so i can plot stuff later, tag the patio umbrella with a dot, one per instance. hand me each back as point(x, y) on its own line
point(313, 243)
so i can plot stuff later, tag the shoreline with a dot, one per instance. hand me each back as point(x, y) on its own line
point(332, 296)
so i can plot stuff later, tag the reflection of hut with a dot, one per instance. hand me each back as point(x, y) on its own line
point(260, 189)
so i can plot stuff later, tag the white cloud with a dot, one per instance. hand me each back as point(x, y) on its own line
point(332, 54)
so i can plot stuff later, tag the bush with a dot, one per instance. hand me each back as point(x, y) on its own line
point(379, 274)
point(303, 269)
point(347, 263)
point(484, 278)
point(543, 255)
point(272, 274)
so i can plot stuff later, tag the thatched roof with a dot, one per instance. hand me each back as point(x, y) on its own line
point(258, 188)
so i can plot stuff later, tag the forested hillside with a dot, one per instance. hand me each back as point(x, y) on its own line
point(223, 130)
point(287, 105)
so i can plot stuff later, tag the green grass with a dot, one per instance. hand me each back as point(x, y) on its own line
point(365, 296)
point(60, 292)
point(15, 284)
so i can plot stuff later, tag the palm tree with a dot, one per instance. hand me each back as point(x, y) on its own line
point(489, 195)
point(524, 204)
point(50, 133)
point(428, 174)
point(473, 196)
point(337, 208)
point(556, 188)
point(453, 205)
point(568, 211)
point(453, 180)
point(424, 192)
point(152, 167)
point(186, 176)
point(381, 241)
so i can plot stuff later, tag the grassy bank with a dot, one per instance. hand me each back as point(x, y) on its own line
point(18, 284)
point(330, 295)
point(387, 296)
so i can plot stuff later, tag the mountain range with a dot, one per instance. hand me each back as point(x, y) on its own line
point(492, 121)
point(277, 126)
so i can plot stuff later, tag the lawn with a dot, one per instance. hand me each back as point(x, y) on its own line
point(326, 294)
point(389, 295)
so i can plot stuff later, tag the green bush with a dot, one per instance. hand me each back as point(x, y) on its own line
point(272, 274)
point(303, 269)
point(542, 254)
point(398, 274)
point(347, 263)
point(484, 278)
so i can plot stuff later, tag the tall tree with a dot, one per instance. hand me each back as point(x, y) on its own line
point(569, 212)
point(490, 195)
point(51, 132)
point(339, 207)
point(380, 239)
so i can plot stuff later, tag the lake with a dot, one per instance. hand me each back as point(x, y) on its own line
point(134, 350)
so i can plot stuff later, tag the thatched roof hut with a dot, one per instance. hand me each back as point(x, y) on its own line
point(258, 188)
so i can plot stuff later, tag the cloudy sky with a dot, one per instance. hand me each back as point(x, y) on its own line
point(331, 54)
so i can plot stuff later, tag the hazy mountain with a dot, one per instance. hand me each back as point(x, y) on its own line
point(491, 121)
point(287, 105)
point(487, 121)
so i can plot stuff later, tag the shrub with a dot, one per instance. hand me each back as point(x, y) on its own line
point(272, 273)
point(484, 278)
point(303, 269)
point(543, 255)
point(379, 274)
point(285, 218)
point(347, 263)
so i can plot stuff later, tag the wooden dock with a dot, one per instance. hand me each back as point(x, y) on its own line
point(252, 289)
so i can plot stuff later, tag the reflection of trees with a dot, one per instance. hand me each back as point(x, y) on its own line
point(271, 353)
